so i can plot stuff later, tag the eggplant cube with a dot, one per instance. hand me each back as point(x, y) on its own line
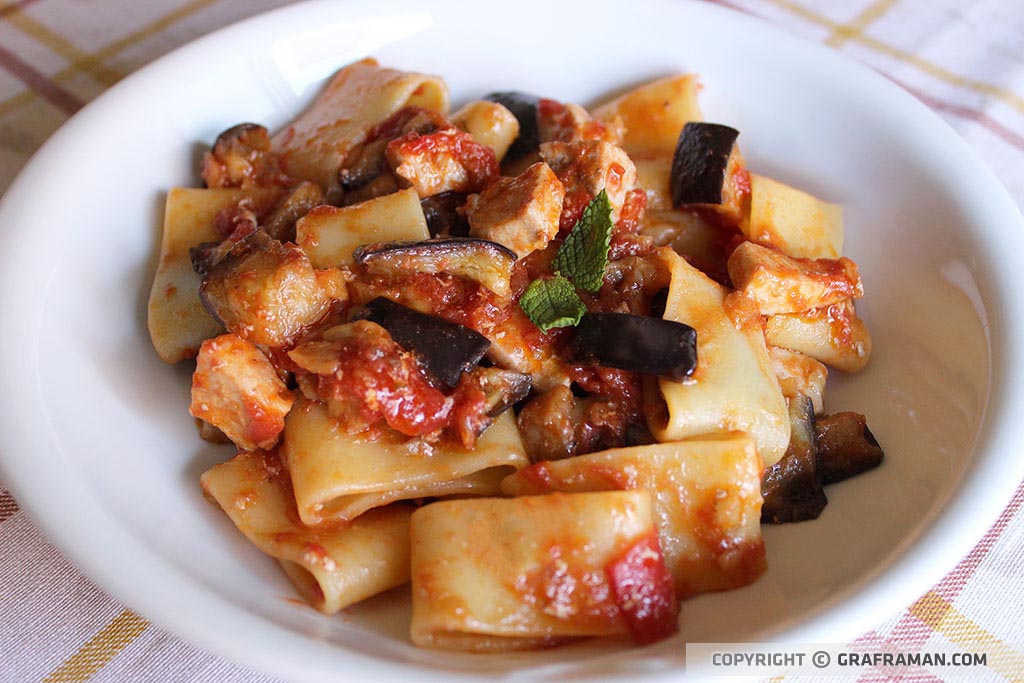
point(639, 343)
point(846, 447)
point(443, 215)
point(521, 213)
point(178, 321)
point(483, 261)
point(264, 291)
point(446, 349)
point(241, 157)
point(792, 487)
point(280, 223)
point(701, 163)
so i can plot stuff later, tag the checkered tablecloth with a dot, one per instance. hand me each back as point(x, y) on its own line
point(963, 58)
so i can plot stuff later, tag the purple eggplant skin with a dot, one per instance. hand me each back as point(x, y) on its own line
point(791, 488)
point(524, 107)
point(445, 349)
point(639, 343)
point(447, 245)
point(483, 261)
point(237, 131)
point(280, 223)
point(443, 218)
point(206, 255)
point(846, 447)
point(699, 163)
point(502, 388)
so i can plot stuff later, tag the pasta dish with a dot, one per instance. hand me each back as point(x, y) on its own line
point(552, 367)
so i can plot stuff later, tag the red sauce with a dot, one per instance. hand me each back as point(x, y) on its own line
point(455, 299)
point(235, 222)
point(575, 202)
point(554, 113)
point(478, 160)
point(632, 212)
point(741, 182)
point(565, 588)
point(391, 127)
point(384, 382)
point(535, 265)
point(644, 591)
point(840, 317)
point(615, 404)
point(538, 476)
point(469, 417)
point(558, 123)
point(613, 180)
point(261, 427)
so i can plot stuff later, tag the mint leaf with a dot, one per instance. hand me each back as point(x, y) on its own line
point(583, 255)
point(552, 303)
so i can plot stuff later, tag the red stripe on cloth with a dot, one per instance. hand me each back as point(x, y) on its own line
point(910, 630)
point(14, 7)
point(8, 506)
point(950, 586)
point(39, 82)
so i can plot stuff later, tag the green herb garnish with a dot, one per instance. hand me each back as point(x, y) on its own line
point(583, 256)
point(552, 303)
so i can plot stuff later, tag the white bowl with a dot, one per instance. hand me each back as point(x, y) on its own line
point(98, 447)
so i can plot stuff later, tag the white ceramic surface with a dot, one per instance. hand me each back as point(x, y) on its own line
point(97, 444)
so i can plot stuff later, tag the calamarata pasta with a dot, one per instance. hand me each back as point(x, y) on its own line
point(555, 367)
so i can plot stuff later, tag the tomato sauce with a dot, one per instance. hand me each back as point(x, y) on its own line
point(385, 383)
point(478, 161)
point(565, 588)
point(575, 202)
point(455, 299)
point(644, 590)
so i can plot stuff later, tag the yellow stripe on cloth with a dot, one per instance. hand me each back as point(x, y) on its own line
point(871, 14)
point(18, 101)
point(942, 617)
point(938, 72)
point(100, 649)
point(94, 64)
point(59, 44)
point(96, 60)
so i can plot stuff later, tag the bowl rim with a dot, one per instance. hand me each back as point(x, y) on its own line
point(987, 484)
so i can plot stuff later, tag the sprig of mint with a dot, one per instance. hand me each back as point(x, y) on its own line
point(552, 303)
point(583, 256)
